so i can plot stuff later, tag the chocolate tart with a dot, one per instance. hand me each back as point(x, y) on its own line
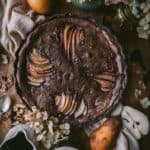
point(71, 68)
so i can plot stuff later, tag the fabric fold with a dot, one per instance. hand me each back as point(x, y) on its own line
point(16, 21)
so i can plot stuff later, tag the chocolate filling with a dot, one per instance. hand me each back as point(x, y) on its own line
point(72, 68)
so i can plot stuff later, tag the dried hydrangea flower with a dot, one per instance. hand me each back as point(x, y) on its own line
point(3, 59)
point(68, 1)
point(17, 107)
point(47, 128)
point(143, 28)
point(45, 115)
point(145, 102)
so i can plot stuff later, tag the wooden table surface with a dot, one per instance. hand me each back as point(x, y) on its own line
point(129, 42)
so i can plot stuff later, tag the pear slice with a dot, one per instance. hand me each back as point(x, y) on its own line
point(38, 61)
point(66, 103)
point(34, 83)
point(40, 69)
point(62, 102)
point(73, 108)
point(106, 76)
point(65, 36)
point(105, 85)
point(57, 100)
point(39, 80)
point(80, 110)
point(69, 107)
point(73, 44)
point(69, 44)
point(34, 74)
point(37, 55)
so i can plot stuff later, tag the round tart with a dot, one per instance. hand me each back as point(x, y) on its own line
point(71, 68)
